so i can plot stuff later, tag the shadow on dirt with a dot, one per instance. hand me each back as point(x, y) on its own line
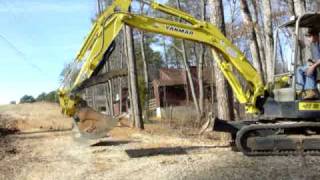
point(5, 131)
point(6, 144)
point(110, 143)
point(138, 153)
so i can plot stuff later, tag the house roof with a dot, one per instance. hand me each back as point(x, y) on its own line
point(171, 77)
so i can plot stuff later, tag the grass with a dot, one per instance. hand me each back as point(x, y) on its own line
point(27, 117)
point(4, 108)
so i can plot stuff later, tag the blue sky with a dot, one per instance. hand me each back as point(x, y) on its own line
point(37, 37)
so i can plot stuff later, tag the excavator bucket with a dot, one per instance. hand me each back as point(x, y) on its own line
point(92, 124)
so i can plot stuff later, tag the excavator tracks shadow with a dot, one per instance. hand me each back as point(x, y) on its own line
point(168, 151)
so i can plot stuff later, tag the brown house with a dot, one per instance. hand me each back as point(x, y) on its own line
point(172, 87)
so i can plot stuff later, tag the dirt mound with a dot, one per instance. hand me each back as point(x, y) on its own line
point(33, 117)
point(7, 126)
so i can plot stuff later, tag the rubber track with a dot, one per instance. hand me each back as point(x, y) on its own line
point(241, 139)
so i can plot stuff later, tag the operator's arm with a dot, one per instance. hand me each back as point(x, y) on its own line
point(312, 68)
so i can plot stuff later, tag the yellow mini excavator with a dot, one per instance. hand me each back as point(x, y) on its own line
point(283, 123)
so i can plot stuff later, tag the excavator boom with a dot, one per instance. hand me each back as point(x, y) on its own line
point(111, 21)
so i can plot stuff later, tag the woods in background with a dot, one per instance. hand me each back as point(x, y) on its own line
point(43, 97)
point(249, 24)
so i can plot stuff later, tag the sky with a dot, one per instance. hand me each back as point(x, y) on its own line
point(37, 38)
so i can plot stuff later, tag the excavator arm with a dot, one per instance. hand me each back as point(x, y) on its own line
point(227, 56)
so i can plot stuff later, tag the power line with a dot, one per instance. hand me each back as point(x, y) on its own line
point(12, 46)
point(21, 54)
point(9, 8)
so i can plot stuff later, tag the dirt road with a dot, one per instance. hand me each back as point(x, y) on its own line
point(130, 154)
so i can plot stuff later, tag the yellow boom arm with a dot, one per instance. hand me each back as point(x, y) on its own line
point(109, 24)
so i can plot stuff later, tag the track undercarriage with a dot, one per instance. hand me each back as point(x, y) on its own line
point(262, 138)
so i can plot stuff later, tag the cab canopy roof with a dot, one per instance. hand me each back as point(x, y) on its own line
point(308, 20)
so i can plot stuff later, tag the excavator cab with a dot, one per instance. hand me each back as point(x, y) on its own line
point(288, 124)
point(286, 100)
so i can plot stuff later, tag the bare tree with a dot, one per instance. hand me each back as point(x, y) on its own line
point(297, 8)
point(99, 7)
point(145, 68)
point(138, 123)
point(291, 7)
point(223, 90)
point(305, 51)
point(186, 65)
point(200, 63)
point(254, 47)
point(107, 103)
point(259, 33)
point(110, 82)
point(267, 24)
point(131, 112)
point(122, 52)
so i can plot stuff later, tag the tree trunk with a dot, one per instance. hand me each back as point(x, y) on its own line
point(146, 76)
point(120, 78)
point(293, 12)
point(305, 50)
point(106, 90)
point(133, 79)
point(145, 70)
point(299, 6)
point(223, 90)
point(291, 7)
point(186, 65)
point(200, 64)
point(99, 7)
point(93, 95)
point(110, 82)
point(252, 37)
point(120, 95)
point(260, 38)
point(267, 23)
point(129, 102)
point(165, 53)
point(131, 107)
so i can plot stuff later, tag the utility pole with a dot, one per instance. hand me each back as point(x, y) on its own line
point(99, 7)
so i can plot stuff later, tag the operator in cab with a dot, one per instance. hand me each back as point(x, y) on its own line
point(307, 75)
